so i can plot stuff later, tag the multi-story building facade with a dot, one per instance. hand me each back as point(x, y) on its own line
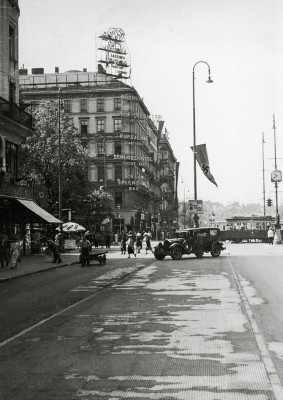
point(168, 179)
point(18, 211)
point(115, 125)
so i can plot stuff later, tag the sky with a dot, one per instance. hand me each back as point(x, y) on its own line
point(241, 40)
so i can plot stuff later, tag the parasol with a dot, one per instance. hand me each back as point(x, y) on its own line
point(71, 227)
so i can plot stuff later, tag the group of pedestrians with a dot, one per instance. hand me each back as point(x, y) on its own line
point(132, 242)
point(10, 251)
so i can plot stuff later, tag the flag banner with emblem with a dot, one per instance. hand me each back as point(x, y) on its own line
point(202, 159)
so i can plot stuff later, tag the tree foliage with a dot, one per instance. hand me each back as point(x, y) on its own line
point(92, 208)
point(40, 164)
point(40, 152)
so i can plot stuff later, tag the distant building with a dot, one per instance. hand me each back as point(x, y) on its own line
point(115, 125)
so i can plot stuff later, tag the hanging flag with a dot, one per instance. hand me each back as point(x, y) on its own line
point(202, 159)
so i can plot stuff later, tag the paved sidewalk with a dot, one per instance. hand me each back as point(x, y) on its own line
point(36, 263)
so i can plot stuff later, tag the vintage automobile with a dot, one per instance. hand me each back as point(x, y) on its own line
point(191, 241)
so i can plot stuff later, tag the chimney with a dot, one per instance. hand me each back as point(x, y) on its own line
point(84, 69)
point(56, 70)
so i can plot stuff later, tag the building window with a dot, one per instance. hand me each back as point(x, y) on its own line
point(100, 125)
point(92, 149)
point(101, 147)
point(83, 105)
point(67, 106)
point(118, 199)
point(84, 126)
point(117, 124)
point(164, 205)
point(12, 158)
point(118, 172)
point(117, 104)
point(12, 43)
point(92, 173)
point(100, 105)
point(164, 188)
point(117, 149)
point(100, 170)
point(110, 172)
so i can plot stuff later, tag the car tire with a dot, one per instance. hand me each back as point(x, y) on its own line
point(176, 253)
point(215, 251)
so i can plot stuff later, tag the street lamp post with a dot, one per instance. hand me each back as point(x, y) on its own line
point(184, 205)
point(59, 157)
point(194, 123)
point(120, 216)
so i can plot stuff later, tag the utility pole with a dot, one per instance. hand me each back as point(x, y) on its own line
point(59, 157)
point(276, 176)
point(263, 174)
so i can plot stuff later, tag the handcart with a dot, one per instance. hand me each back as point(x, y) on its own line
point(94, 255)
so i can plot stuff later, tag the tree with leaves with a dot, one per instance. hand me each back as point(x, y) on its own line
point(40, 164)
point(40, 153)
point(92, 208)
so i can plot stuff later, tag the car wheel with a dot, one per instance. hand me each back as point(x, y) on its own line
point(176, 253)
point(215, 251)
point(159, 256)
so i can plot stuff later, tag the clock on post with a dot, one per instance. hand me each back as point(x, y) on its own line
point(276, 176)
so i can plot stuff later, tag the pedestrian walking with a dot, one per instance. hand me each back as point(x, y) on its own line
point(147, 243)
point(5, 251)
point(85, 250)
point(15, 253)
point(107, 240)
point(270, 235)
point(123, 243)
point(54, 247)
point(131, 246)
point(59, 241)
point(139, 242)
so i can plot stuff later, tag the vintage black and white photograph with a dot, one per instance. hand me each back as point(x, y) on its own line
point(141, 205)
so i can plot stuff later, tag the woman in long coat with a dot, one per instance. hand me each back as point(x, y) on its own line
point(131, 246)
point(123, 243)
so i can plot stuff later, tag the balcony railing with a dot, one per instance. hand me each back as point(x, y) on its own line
point(14, 112)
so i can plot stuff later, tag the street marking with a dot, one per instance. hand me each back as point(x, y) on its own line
point(260, 340)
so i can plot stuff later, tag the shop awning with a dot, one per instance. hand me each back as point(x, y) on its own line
point(40, 212)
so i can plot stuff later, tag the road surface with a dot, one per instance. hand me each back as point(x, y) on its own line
point(192, 329)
